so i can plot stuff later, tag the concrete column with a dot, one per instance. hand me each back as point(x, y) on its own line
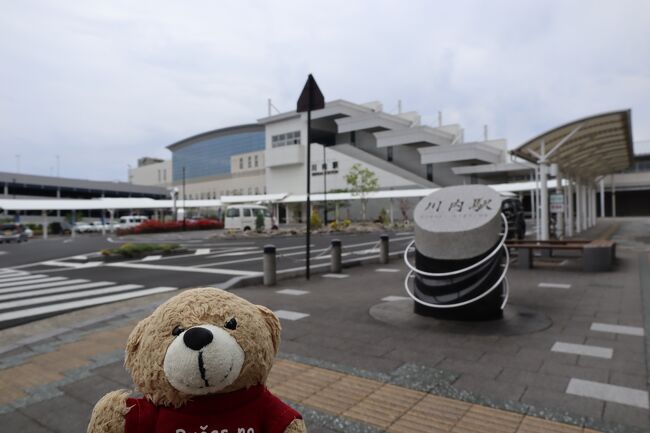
point(594, 204)
point(543, 174)
point(571, 209)
point(613, 197)
point(584, 213)
point(44, 224)
point(6, 190)
point(58, 195)
point(602, 197)
point(392, 218)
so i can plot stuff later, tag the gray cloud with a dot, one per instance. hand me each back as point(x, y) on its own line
point(102, 83)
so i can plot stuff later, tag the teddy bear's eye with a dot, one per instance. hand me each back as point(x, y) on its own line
point(231, 324)
point(178, 330)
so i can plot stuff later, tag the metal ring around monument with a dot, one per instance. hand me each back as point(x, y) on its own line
point(460, 304)
point(459, 271)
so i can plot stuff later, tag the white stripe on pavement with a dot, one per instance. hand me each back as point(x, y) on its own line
point(38, 280)
point(290, 315)
point(292, 292)
point(607, 392)
point(554, 285)
point(184, 269)
point(618, 329)
point(22, 277)
point(44, 285)
point(150, 258)
point(202, 251)
point(63, 289)
point(386, 270)
point(72, 265)
point(583, 349)
point(335, 275)
point(55, 308)
point(12, 273)
point(68, 296)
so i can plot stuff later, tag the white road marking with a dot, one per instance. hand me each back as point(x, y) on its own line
point(36, 281)
point(37, 311)
point(151, 258)
point(395, 298)
point(583, 349)
point(184, 269)
point(292, 292)
point(607, 392)
point(67, 296)
point(618, 329)
point(72, 265)
point(386, 270)
point(335, 275)
point(62, 281)
point(202, 251)
point(290, 315)
point(554, 285)
point(63, 289)
point(22, 277)
point(12, 273)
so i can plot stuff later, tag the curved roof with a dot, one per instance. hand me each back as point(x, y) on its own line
point(230, 130)
point(587, 147)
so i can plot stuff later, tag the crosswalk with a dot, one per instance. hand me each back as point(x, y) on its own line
point(25, 297)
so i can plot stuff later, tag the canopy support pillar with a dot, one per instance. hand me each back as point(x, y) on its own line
point(44, 213)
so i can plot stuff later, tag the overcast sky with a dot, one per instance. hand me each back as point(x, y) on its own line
point(103, 83)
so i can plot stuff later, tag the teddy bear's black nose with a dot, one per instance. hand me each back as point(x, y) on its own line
point(197, 338)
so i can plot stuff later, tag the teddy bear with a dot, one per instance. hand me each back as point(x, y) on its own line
point(201, 360)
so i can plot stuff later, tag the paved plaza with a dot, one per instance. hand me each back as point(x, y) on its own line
point(570, 354)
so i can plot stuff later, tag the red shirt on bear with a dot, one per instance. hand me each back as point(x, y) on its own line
point(252, 410)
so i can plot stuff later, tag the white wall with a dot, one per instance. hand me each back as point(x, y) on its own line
point(158, 174)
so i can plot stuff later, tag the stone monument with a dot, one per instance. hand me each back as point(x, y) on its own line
point(460, 255)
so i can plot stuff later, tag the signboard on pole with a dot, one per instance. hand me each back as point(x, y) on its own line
point(556, 202)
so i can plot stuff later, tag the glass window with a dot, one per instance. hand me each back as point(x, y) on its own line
point(241, 163)
point(314, 167)
point(257, 190)
point(256, 161)
point(247, 212)
point(324, 166)
point(250, 190)
point(335, 165)
point(232, 212)
point(250, 162)
point(285, 139)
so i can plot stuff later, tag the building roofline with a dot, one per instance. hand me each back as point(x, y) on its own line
point(248, 127)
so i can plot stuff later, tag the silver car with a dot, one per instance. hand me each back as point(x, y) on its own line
point(12, 233)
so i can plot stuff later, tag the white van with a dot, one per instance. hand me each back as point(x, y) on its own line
point(242, 217)
point(129, 221)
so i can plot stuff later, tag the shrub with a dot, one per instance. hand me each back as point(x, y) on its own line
point(316, 223)
point(259, 222)
point(156, 226)
point(334, 226)
point(130, 250)
point(346, 223)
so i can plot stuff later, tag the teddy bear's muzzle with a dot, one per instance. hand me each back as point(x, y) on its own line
point(203, 359)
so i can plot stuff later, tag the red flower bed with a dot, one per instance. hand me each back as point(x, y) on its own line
point(155, 226)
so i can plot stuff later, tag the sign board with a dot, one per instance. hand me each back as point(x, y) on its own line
point(458, 222)
point(556, 203)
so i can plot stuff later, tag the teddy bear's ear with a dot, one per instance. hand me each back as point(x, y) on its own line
point(135, 337)
point(273, 323)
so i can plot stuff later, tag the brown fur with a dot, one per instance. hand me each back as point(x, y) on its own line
point(258, 334)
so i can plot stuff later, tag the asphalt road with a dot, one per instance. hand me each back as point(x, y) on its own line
point(42, 278)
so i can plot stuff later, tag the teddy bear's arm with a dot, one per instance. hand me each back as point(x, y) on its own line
point(109, 412)
point(296, 426)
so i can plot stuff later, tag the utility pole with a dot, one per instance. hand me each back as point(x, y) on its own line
point(310, 99)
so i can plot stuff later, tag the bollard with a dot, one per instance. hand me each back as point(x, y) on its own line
point(383, 249)
point(335, 263)
point(269, 265)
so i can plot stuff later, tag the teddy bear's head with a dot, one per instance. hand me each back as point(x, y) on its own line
point(201, 341)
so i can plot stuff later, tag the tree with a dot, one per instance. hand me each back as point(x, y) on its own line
point(361, 181)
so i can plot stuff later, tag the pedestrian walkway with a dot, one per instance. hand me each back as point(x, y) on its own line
point(28, 296)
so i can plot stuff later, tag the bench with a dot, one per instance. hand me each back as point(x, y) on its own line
point(597, 255)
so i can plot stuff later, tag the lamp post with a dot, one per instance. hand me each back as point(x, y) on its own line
point(310, 99)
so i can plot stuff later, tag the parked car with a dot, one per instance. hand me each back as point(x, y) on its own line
point(91, 227)
point(242, 217)
point(12, 233)
point(513, 209)
point(129, 221)
point(29, 232)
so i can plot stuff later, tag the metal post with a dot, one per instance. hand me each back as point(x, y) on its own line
point(383, 249)
point(335, 257)
point(559, 222)
point(184, 212)
point(543, 169)
point(570, 222)
point(270, 276)
point(324, 186)
point(613, 197)
point(602, 197)
point(578, 207)
point(308, 234)
point(392, 218)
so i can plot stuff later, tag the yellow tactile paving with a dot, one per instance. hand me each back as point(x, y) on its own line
point(306, 383)
point(9, 393)
point(538, 425)
point(385, 405)
point(343, 394)
point(59, 361)
point(431, 414)
point(479, 419)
